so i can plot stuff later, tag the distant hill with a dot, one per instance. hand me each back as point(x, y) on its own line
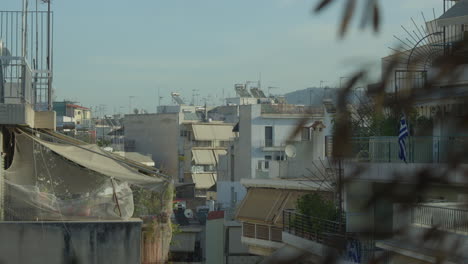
point(315, 96)
point(311, 96)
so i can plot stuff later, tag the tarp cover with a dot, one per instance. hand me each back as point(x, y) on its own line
point(56, 181)
point(93, 158)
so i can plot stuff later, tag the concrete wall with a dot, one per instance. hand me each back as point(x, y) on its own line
point(2, 180)
point(155, 134)
point(45, 119)
point(228, 191)
point(243, 154)
point(70, 242)
point(214, 247)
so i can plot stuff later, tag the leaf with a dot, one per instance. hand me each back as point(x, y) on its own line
point(322, 5)
point(347, 15)
point(376, 18)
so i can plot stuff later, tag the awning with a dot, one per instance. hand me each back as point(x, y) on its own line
point(203, 157)
point(90, 157)
point(456, 15)
point(263, 205)
point(204, 180)
point(213, 132)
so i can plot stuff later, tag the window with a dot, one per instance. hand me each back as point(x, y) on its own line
point(223, 143)
point(268, 136)
point(202, 143)
point(259, 165)
point(267, 164)
point(267, 157)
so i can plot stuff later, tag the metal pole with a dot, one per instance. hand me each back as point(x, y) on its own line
point(340, 188)
point(24, 29)
point(116, 198)
point(49, 75)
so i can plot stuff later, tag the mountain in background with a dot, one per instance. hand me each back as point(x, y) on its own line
point(314, 96)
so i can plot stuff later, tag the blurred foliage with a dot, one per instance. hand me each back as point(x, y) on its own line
point(315, 205)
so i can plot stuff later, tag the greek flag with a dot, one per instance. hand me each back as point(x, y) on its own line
point(402, 137)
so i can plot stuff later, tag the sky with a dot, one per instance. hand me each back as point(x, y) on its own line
point(108, 51)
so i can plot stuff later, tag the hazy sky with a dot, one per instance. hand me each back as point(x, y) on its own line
point(106, 51)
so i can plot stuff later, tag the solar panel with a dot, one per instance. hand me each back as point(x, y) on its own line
point(177, 99)
point(241, 90)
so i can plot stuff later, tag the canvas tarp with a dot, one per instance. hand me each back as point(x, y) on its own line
point(92, 157)
point(41, 184)
point(213, 132)
point(265, 205)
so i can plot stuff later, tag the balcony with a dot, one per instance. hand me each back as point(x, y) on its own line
point(261, 239)
point(419, 149)
point(444, 218)
point(312, 228)
point(324, 237)
point(263, 232)
point(424, 231)
point(275, 145)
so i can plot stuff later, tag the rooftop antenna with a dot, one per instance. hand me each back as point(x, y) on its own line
point(159, 98)
point(269, 88)
point(260, 80)
point(194, 95)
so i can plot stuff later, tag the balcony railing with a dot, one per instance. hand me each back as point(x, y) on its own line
point(418, 149)
point(448, 219)
point(267, 143)
point(313, 228)
point(264, 232)
point(330, 233)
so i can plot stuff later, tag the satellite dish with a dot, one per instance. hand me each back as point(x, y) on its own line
point(188, 213)
point(290, 151)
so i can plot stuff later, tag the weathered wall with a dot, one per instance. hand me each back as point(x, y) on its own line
point(215, 242)
point(70, 242)
point(155, 134)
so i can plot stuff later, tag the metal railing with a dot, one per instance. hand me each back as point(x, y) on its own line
point(330, 233)
point(264, 232)
point(17, 87)
point(419, 149)
point(313, 228)
point(277, 143)
point(448, 219)
point(26, 58)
